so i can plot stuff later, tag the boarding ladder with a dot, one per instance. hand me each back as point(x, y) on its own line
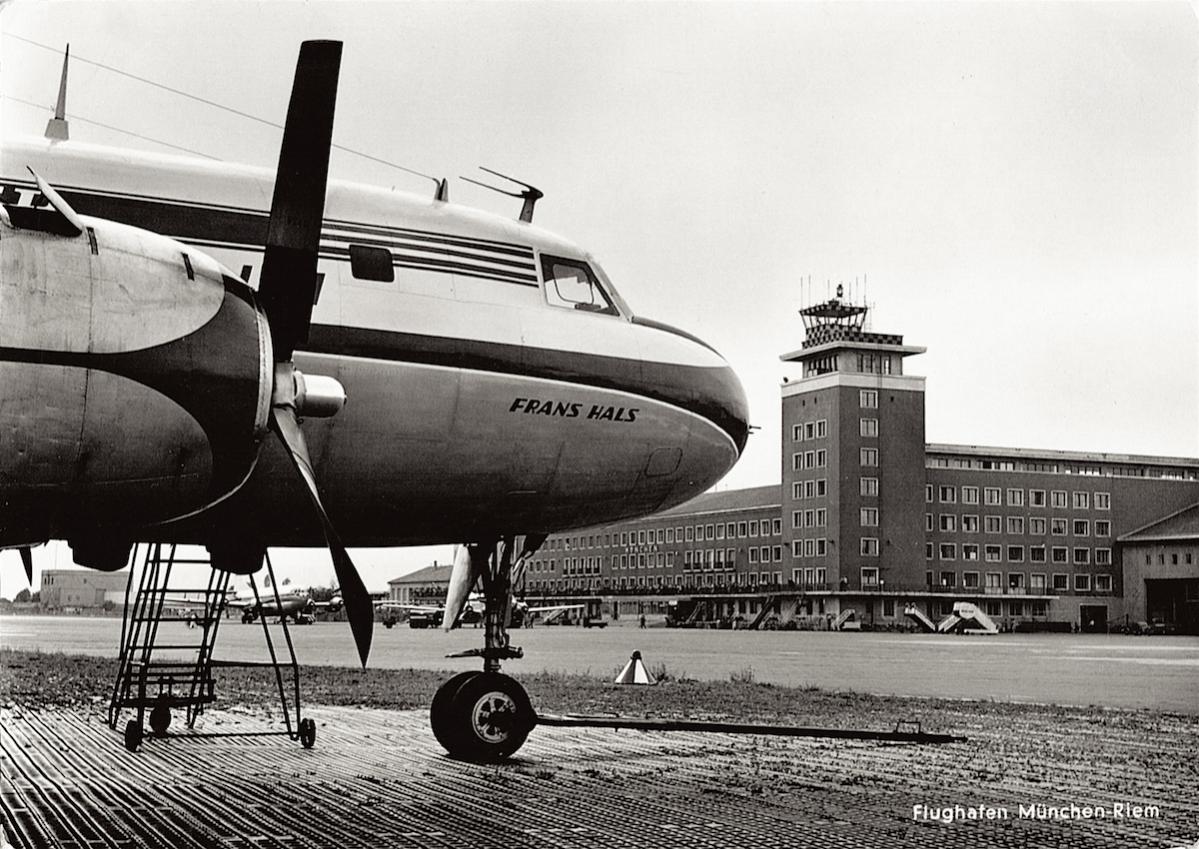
point(158, 676)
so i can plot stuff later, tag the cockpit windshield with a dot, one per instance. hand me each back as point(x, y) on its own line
point(572, 284)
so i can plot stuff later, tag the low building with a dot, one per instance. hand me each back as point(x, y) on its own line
point(424, 586)
point(85, 589)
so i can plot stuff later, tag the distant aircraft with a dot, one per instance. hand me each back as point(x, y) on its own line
point(426, 615)
point(499, 389)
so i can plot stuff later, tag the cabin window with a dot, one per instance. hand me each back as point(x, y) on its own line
point(371, 264)
point(572, 285)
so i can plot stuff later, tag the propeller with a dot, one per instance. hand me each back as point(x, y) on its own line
point(27, 561)
point(287, 289)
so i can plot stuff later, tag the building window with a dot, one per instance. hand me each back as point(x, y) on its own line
point(994, 581)
point(670, 534)
point(993, 553)
point(928, 493)
point(1037, 526)
point(1103, 583)
point(776, 527)
point(991, 495)
point(741, 529)
point(948, 551)
point(993, 524)
point(1103, 557)
point(869, 517)
point(1058, 498)
point(1103, 501)
point(1015, 580)
point(1015, 498)
point(970, 495)
point(970, 524)
point(809, 430)
point(753, 553)
point(1081, 500)
point(948, 494)
point(1061, 554)
point(868, 486)
point(949, 522)
point(1015, 554)
point(1015, 524)
point(1058, 527)
point(711, 532)
point(928, 551)
point(778, 554)
point(821, 428)
point(690, 535)
point(796, 548)
point(868, 427)
point(821, 488)
point(1103, 528)
point(1082, 582)
point(1036, 554)
point(868, 399)
point(1082, 528)
point(869, 576)
point(821, 458)
point(753, 528)
point(868, 456)
point(970, 552)
point(970, 580)
point(1036, 497)
point(869, 547)
point(1082, 556)
point(821, 517)
point(1061, 583)
point(797, 433)
point(1036, 582)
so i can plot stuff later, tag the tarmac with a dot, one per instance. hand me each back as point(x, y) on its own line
point(377, 778)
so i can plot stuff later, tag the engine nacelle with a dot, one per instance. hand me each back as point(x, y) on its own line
point(137, 375)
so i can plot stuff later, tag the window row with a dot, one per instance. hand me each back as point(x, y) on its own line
point(809, 489)
point(809, 547)
point(809, 430)
point(1016, 553)
point(809, 460)
point(809, 518)
point(1037, 525)
point(1037, 582)
point(993, 496)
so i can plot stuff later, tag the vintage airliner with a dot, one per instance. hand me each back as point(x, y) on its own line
point(160, 315)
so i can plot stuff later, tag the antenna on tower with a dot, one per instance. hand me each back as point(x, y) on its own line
point(57, 129)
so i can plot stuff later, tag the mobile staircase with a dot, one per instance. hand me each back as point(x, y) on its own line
point(847, 620)
point(967, 619)
point(918, 616)
point(159, 676)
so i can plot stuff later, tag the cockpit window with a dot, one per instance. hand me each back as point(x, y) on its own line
point(571, 284)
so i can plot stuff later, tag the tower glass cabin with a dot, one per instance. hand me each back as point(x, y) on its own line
point(853, 459)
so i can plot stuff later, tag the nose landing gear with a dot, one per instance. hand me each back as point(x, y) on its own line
point(486, 716)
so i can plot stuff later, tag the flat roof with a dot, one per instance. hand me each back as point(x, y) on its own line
point(1049, 454)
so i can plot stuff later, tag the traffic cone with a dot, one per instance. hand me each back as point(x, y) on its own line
point(634, 672)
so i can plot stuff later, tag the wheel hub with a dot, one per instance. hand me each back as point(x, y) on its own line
point(493, 717)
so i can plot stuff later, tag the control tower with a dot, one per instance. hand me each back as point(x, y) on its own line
point(853, 456)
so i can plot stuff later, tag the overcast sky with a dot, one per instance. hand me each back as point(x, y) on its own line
point(1017, 181)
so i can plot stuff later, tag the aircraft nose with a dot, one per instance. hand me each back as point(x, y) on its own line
point(708, 385)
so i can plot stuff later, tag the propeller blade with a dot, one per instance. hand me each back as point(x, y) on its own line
point(462, 578)
point(288, 283)
point(359, 608)
point(27, 560)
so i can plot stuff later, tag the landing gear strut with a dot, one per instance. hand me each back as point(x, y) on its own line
point(486, 716)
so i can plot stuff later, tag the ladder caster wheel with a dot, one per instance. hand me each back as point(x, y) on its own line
point(133, 735)
point(160, 719)
point(307, 733)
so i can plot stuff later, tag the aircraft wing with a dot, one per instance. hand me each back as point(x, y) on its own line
point(557, 608)
point(410, 608)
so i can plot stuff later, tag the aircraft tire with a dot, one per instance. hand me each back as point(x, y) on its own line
point(490, 717)
point(308, 732)
point(134, 733)
point(160, 719)
point(439, 711)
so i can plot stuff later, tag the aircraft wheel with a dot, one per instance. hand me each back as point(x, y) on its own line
point(307, 733)
point(133, 735)
point(439, 711)
point(160, 719)
point(490, 718)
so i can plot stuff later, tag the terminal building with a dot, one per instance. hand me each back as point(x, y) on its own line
point(871, 521)
point(82, 589)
